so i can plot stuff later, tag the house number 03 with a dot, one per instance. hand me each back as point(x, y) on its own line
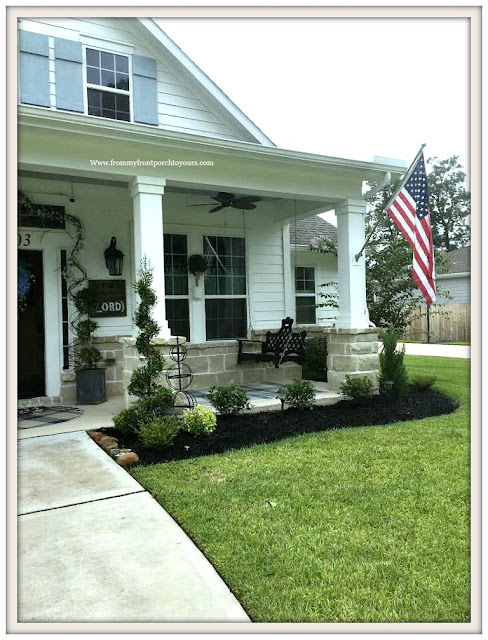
point(23, 239)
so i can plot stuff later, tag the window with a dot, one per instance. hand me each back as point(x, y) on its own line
point(45, 216)
point(225, 287)
point(176, 284)
point(108, 85)
point(305, 295)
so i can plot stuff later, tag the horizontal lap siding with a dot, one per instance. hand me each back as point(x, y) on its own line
point(179, 108)
point(267, 292)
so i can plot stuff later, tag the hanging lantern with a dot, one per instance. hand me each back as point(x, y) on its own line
point(114, 259)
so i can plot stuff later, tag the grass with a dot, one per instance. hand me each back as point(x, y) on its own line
point(356, 525)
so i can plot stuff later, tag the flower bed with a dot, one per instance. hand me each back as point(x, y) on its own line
point(235, 432)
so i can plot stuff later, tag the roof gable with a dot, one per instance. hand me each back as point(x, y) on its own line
point(200, 86)
point(459, 260)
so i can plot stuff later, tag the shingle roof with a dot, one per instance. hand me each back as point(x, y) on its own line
point(459, 260)
point(307, 228)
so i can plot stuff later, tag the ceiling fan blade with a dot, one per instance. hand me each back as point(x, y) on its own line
point(203, 204)
point(245, 202)
point(221, 206)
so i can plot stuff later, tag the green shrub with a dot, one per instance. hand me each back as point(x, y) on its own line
point(159, 433)
point(423, 383)
point(157, 405)
point(315, 359)
point(200, 420)
point(357, 388)
point(127, 420)
point(299, 394)
point(392, 368)
point(229, 400)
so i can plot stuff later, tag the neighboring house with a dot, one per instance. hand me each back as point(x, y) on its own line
point(117, 126)
point(311, 270)
point(457, 279)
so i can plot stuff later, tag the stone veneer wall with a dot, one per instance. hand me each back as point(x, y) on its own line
point(352, 352)
point(112, 360)
point(212, 363)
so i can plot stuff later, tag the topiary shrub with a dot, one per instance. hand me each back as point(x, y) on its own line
point(392, 368)
point(314, 365)
point(144, 380)
point(357, 388)
point(229, 400)
point(423, 383)
point(200, 420)
point(299, 394)
point(159, 433)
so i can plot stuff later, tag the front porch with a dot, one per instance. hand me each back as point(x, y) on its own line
point(150, 209)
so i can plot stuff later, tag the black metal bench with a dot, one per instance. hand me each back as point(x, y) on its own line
point(282, 346)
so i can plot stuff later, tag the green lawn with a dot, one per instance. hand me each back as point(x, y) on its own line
point(357, 525)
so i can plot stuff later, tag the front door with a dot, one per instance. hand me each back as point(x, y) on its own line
point(30, 350)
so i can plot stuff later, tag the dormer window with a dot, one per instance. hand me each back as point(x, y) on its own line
point(108, 85)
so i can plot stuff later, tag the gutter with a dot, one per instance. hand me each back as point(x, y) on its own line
point(454, 276)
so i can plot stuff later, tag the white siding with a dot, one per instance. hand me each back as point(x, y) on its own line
point(325, 271)
point(179, 106)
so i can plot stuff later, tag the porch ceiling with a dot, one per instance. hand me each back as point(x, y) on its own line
point(66, 144)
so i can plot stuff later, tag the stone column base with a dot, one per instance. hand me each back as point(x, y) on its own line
point(352, 352)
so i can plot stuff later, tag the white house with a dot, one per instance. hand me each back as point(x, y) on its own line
point(118, 127)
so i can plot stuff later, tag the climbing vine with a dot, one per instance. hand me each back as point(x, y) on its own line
point(74, 272)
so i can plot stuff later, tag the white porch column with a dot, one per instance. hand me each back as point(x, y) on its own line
point(147, 202)
point(353, 312)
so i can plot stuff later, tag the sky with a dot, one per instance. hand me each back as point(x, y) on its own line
point(351, 88)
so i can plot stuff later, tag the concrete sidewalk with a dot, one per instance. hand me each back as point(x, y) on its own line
point(94, 546)
point(442, 350)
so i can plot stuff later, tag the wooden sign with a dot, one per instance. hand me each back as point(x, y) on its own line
point(111, 296)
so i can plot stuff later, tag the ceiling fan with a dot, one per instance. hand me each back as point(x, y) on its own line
point(230, 200)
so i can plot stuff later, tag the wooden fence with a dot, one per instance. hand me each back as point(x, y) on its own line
point(448, 323)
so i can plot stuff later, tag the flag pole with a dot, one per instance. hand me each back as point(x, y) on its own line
point(407, 176)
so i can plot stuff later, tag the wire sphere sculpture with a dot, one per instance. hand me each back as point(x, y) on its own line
point(183, 400)
point(179, 377)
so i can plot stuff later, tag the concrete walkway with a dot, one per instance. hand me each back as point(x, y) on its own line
point(94, 546)
point(442, 350)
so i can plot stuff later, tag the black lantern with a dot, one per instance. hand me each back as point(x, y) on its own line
point(114, 259)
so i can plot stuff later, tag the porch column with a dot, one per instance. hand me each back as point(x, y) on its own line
point(353, 312)
point(147, 202)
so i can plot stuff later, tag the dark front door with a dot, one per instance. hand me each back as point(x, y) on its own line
point(31, 369)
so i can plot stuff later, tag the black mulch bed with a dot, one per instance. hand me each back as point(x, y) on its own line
point(236, 432)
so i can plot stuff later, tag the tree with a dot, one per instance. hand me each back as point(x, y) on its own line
point(450, 203)
point(391, 292)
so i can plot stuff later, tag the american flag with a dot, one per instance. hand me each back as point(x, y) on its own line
point(410, 212)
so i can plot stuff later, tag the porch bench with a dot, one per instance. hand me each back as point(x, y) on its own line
point(283, 345)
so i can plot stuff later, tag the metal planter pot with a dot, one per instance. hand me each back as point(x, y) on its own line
point(90, 386)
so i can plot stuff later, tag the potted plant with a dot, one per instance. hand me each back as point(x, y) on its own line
point(90, 378)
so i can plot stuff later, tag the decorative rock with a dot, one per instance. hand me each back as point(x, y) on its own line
point(96, 435)
point(107, 443)
point(127, 459)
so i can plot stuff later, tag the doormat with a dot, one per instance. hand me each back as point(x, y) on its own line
point(28, 417)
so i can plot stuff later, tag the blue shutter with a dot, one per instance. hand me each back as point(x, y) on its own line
point(145, 93)
point(69, 75)
point(34, 68)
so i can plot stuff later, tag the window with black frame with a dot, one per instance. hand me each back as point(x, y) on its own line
point(225, 287)
point(176, 284)
point(305, 295)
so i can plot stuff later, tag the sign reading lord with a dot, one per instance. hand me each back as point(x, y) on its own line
point(111, 298)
